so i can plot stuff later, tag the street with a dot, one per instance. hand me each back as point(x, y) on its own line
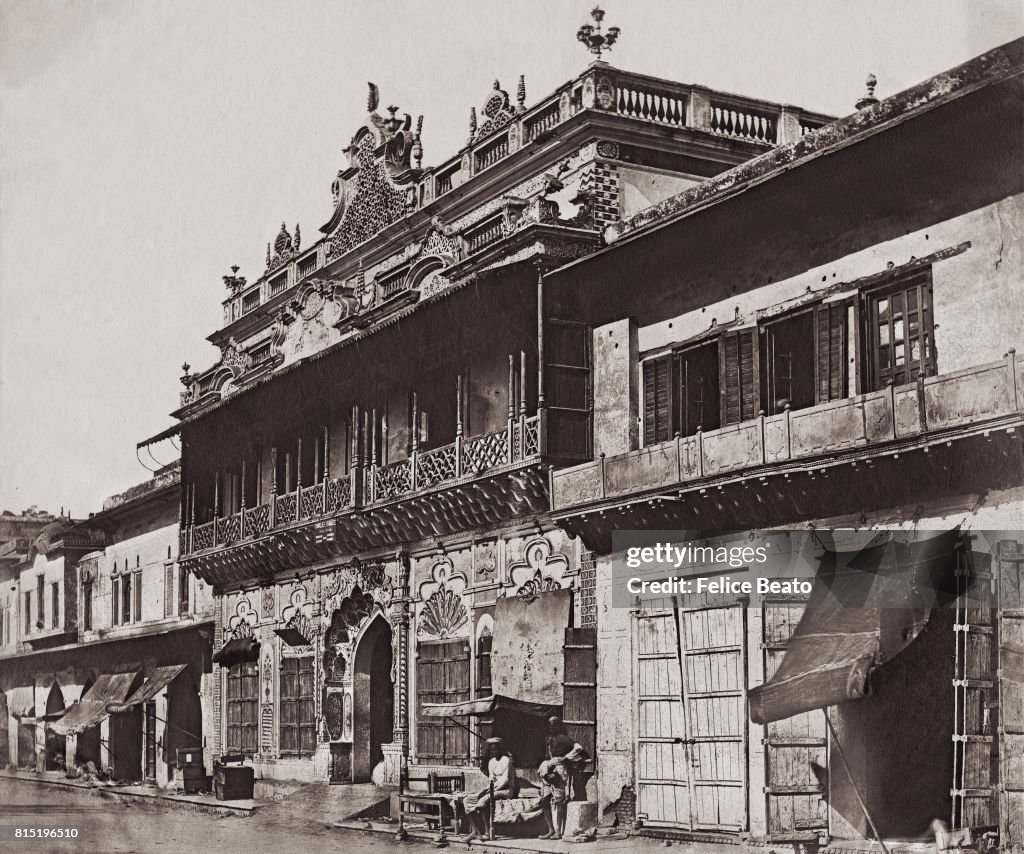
point(107, 823)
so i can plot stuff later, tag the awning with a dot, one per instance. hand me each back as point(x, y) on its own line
point(92, 708)
point(486, 705)
point(889, 590)
point(160, 679)
point(292, 636)
point(527, 653)
point(21, 703)
point(237, 650)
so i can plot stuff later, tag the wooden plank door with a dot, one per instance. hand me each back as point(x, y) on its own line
point(1011, 694)
point(975, 757)
point(662, 757)
point(715, 689)
point(796, 748)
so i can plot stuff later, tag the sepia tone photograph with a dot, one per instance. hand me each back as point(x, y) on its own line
point(513, 427)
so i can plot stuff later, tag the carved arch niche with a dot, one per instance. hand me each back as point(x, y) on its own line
point(442, 612)
point(540, 569)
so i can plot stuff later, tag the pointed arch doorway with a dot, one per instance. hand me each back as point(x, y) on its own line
point(372, 699)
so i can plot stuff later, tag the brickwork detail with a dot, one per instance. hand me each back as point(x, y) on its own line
point(601, 181)
point(588, 590)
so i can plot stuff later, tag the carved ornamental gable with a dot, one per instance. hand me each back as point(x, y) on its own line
point(443, 613)
point(540, 569)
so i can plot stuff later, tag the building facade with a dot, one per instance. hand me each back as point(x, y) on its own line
point(634, 305)
point(107, 674)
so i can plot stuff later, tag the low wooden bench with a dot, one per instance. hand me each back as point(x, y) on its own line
point(433, 806)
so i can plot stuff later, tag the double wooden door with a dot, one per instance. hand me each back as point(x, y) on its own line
point(691, 725)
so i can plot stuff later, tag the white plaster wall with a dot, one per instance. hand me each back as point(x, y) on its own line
point(978, 294)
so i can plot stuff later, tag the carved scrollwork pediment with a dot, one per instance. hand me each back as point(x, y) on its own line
point(308, 323)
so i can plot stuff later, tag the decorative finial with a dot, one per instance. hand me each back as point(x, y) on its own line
point(297, 240)
point(373, 98)
point(188, 379)
point(234, 282)
point(593, 38)
point(472, 123)
point(268, 254)
point(868, 99)
point(521, 92)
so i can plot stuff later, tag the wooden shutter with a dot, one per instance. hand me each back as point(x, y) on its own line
point(442, 676)
point(138, 596)
point(1010, 652)
point(830, 351)
point(657, 400)
point(738, 378)
point(580, 689)
point(115, 601)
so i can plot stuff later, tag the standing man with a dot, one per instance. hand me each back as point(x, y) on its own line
point(555, 774)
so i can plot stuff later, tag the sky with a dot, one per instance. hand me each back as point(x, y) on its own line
point(145, 147)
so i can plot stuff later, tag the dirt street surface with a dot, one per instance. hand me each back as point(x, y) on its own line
point(108, 824)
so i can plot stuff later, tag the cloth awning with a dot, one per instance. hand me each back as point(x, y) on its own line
point(21, 703)
point(292, 636)
point(237, 650)
point(528, 650)
point(92, 708)
point(160, 679)
point(486, 705)
point(866, 607)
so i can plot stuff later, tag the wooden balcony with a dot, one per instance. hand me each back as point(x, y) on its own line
point(942, 408)
point(475, 480)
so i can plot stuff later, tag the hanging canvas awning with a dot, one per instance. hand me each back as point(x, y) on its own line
point(160, 679)
point(865, 608)
point(92, 708)
point(237, 650)
point(527, 655)
point(292, 636)
point(22, 702)
point(486, 705)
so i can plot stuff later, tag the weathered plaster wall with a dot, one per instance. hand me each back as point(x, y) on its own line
point(641, 188)
point(616, 377)
point(616, 700)
point(52, 572)
point(980, 288)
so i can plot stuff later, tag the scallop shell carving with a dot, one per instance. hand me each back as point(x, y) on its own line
point(443, 615)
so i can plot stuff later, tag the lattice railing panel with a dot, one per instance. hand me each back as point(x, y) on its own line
point(392, 480)
point(434, 467)
point(257, 520)
point(531, 439)
point(202, 537)
point(229, 529)
point(287, 507)
point(312, 503)
point(339, 493)
point(484, 452)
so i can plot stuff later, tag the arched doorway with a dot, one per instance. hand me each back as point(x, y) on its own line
point(373, 699)
point(56, 745)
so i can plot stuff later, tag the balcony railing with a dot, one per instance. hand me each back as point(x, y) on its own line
point(966, 398)
point(520, 441)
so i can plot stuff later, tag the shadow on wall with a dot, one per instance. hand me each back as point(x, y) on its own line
point(899, 741)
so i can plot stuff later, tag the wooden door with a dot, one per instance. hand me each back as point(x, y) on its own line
point(796, 748)
point(715, 688)
point(662, 757)
point(1011, 694)
point(150, 737)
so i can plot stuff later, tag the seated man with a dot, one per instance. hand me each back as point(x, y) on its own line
point(501, 775)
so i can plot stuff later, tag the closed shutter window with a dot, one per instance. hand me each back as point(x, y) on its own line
point(657, 400)
point(442, 676)
point(138, 596)
point(168, 589)
point(298, 727)
point(738, 376)
point(242, 699)
point(830, 351)
point(115, 601)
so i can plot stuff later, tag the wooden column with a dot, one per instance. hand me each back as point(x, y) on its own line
point(540, 336)
point(510, 451)
point(458, 426)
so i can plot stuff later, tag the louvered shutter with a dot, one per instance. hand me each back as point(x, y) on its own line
point(738, 376)
point(115, 601)
point(830, 351)
point(657, 400)
point(168, 589)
